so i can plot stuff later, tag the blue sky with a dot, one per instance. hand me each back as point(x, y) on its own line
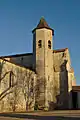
point(19, 17)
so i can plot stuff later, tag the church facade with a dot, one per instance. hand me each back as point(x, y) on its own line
point(39, 80)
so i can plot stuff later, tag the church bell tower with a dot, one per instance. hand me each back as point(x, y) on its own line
point(43, 56)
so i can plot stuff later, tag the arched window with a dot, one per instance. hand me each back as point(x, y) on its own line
point(64, 55)
point(40, 43)
point(11, 79)
point(49, 44)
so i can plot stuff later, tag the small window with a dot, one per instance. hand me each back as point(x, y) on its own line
point(64, 55)
point(48, 77)
point(49, 44)
point(10, 79)
point(40, 43)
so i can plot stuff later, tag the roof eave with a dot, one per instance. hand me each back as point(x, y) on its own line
point(41, 28)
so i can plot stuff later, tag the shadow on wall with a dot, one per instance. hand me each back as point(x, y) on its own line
point(7, 87)
point(12, 88)
point(62, 99)
point(4, 93)
point(52, 106)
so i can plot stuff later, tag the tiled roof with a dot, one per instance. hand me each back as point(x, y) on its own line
point(43, 24)
point(60, 50)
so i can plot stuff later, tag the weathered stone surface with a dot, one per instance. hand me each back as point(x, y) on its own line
point(16, 87)
point(21, 88)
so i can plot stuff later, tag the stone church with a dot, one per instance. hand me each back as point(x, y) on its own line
point(42, 80)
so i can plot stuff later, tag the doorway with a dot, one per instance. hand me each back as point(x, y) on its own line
point(74, 100)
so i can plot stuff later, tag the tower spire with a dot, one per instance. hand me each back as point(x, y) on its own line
point(43, 24)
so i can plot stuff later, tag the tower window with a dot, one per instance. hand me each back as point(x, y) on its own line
point(64, 55)
point(49, 44)
point(40, 43)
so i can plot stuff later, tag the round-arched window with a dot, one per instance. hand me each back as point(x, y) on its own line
point(40, 43)
point(49, 44)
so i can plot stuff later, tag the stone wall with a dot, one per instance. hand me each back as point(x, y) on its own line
point(17, 87)
point(58, 61)
point(70, 78)
point(43, 62)
point(23, 60)
point(61, 89)
point(62, 78)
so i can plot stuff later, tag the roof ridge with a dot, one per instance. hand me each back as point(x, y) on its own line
point(60, 50)
point(16, 55)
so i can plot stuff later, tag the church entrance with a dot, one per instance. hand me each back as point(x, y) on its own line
point(75, 100)
point(76, 97)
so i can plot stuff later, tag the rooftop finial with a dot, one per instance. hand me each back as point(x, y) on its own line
point(42, 17)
